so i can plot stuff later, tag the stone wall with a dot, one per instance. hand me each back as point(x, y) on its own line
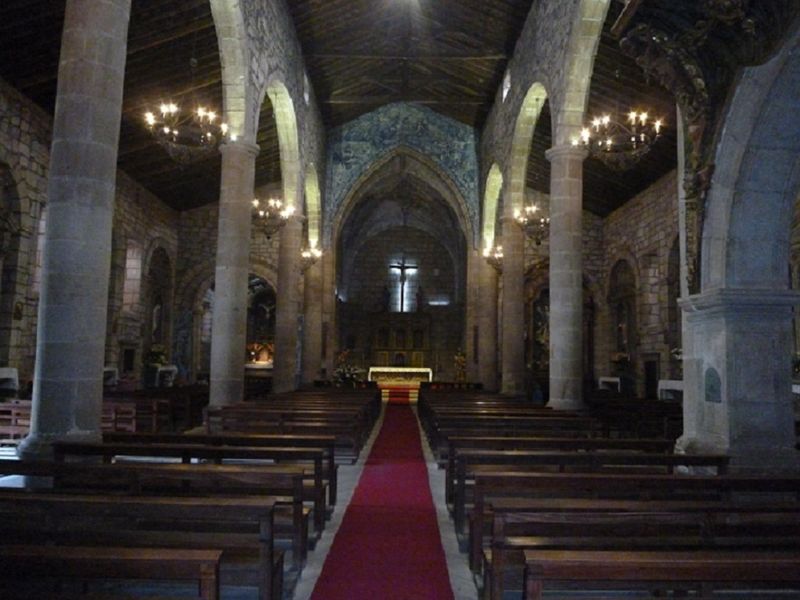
point(25, 133)
point(140, 219)
point(643, 232)
point(197, 246)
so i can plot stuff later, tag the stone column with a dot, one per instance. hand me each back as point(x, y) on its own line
point(312, 323)
point(328, 312)
point(284, 372)
point(566, 276)
point(513, 332)
point(71, 331)
point(472, 305)
point(737, 395)
point(487, 325)
point(229, 326)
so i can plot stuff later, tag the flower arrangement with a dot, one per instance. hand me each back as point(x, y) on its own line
point(460, 363)
point(157, 356)
point(346, 373)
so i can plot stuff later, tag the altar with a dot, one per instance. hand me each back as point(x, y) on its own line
point(399, 384)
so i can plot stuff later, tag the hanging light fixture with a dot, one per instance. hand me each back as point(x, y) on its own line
point(308, 257)
point(189, 133)
point(494, 256)
point(617, 144)
point(533, 222)
point(271, 215)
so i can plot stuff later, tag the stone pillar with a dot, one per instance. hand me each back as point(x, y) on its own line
point(737, 395)
point(472, 303)
point(487, 325)
point(285, 370)
point(229, 326)
point(566, 276)
point(71, 331)
point(513, 331)
point(312, 323)
point(328, 313)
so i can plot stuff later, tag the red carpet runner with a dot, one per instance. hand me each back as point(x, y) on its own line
point(388, 546)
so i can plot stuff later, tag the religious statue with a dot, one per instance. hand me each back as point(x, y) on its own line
point(386, 297)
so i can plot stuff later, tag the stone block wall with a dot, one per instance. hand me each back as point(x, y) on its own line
point(139, 217)
point(643, 232)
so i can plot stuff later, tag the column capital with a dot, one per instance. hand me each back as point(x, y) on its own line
point(240, 147)
point(740, 300)
point(566, 151)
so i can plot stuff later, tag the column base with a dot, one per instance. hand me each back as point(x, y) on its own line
point(39, 446)
point(566, 404)
point(762, 460)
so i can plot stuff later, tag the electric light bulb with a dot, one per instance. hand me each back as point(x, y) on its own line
point(632, 117)
point(150, 118)
point(255, 203)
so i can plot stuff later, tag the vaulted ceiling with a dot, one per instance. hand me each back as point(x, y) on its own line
point(449, 55)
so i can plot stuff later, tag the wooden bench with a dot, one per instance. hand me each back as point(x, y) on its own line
point(21, 564)
point(326, 442)
point(716, 527)
point(491, 485)
point(753, 569)
point(470, 463)
point(286, 483)
point(242, 527)
point(216, 454)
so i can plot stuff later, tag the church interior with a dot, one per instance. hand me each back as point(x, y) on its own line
point(518, 278)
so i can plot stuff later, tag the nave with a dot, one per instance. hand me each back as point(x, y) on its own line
point(466, 495)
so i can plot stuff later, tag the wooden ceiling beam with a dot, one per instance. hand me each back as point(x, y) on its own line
point(389, 99)
point(413, 57)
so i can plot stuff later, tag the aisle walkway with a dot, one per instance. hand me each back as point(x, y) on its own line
point(388, 545)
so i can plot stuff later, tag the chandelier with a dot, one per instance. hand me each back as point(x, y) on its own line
point(494, 256)
point(308, 257)
point(188, 137)
point(535, 227)
point(620, 145)
point(270, 216)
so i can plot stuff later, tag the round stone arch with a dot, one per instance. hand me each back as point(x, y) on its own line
point(521, 143)
point(288, 141)
point(586, 30)
point(232, 42)
point(491, 198)
point(750, 206)
point(737, 332)
point(424, 168)
point(313, 206)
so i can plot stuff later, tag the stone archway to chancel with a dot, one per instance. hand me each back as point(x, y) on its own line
point(401, 251)
point(261, 305)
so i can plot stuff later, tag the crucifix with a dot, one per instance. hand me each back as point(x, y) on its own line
point(402, 267)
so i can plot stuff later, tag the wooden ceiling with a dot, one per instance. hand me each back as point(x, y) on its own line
point(449, 55)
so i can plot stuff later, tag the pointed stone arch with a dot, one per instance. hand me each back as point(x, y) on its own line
point(527, 119)
point(491, 198)
point(581, 52)
point(434, 175)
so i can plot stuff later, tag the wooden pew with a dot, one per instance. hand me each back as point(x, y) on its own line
point(713, 527)
point(180, 479)
point(693, 567)
point(242, 527)
point(327, 442)
point(470, 463)
point(32, 563)
point(615, 486)
point(350, 437)
point(217, 454)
